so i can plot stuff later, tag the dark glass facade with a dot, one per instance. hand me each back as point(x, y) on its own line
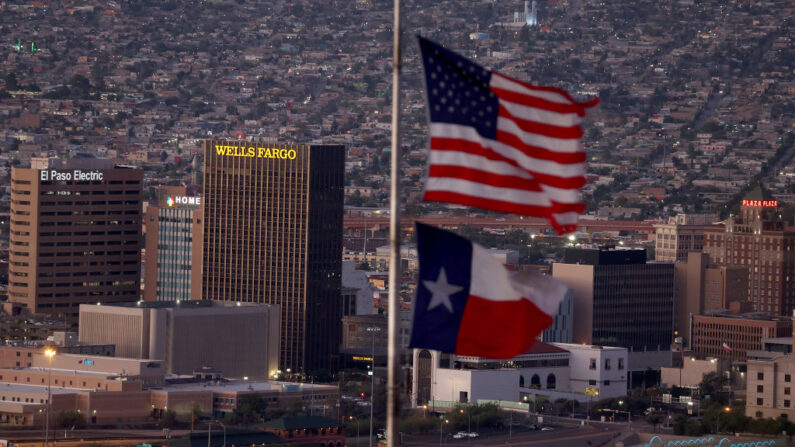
point(633, 306)
point(273, 234)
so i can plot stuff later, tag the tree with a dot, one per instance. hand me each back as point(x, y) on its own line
point(70, 419)
point(250, 408)
point(169, 419)
point(11, 81)
point(654, 419)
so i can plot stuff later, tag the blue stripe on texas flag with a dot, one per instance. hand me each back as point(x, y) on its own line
point(435, 326)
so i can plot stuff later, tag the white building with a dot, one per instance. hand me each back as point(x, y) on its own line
point(549, 370)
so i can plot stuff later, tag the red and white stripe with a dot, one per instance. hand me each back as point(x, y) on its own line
point(535, 166)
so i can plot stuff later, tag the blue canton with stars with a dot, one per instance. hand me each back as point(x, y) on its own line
point(436, 326)
point(458, 90)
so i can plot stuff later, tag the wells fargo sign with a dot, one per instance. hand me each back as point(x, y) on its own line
point(762, 203)
point(255, 152)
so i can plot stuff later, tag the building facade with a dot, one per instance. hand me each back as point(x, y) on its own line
point(770, 388)
point(273, 234)
point(172, 260)
point(237, 340)
point(741, 333)
point(758, 240)
point(75, 235)
point(681, 235)
point(548, 371)
point(620, 300)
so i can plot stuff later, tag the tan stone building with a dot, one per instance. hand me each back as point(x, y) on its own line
point(238, 339)
point(770, 388)
point(75, 235)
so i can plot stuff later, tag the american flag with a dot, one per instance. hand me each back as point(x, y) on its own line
point(502, 144)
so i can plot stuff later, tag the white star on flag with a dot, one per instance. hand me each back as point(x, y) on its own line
point(441, 291)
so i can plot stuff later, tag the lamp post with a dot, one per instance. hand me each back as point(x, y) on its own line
point(372, 330)
point(350, 418)
point(442, 421)
point(49, 352)
point(469, 423)
point(209, 431)
point(717, 423)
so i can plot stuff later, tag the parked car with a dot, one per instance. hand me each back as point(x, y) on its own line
point(546, 428)
point(473, 435)
point(460, 435)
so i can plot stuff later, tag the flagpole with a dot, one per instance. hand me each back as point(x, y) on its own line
point(393, 360)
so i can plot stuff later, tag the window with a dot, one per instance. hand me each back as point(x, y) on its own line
point(760, 376)
point(607, 383)
point(607, 364)
point(592, 364)
point(786, 404)
point(786, 391)
point(592, 382)
point(787, 378)
point(760, 401)
point(760, 389)
point(621, 363)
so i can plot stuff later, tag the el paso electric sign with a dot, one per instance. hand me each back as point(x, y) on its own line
point(76, 175)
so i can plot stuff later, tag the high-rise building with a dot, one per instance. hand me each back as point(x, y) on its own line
point(620, 300)
point(273, 234)
point(172, 260)
point(75, 235)
point(758, 240)
point(681, 235)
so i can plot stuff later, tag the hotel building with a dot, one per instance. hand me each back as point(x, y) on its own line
point(273, 234)
point(758, 240)
point(75, 235)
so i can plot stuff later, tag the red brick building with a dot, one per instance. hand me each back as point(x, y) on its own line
point(741, 333)
point(758, 240)
point(315, 430)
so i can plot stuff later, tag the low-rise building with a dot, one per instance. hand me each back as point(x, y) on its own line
point(548, 371)
point(769, 391)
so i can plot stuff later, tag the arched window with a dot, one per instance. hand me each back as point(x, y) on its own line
point(424, 377)
point(551, 382)
point(521, 381)
point(535, 382)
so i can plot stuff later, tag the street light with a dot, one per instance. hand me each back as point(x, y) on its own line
point(372, 330)
point(209, 431)
point(49, 352)
point(717, 423)
point(350, 418)
point(469, 423)
point(442, 421)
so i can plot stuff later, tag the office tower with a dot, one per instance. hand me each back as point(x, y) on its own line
point(75, 235)
point(758, 240)
point(620, 300)
point(273, 234)
point(681, 235)
point(172, 260)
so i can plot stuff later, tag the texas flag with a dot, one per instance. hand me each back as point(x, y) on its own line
point(726, 347)
point(468, 303)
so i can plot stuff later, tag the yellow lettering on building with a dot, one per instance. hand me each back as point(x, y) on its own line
point(256, 152)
